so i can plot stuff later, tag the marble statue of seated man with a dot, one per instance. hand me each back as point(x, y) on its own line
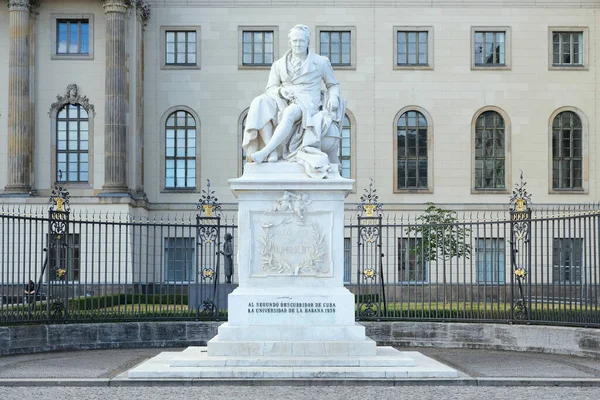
point(295, 119)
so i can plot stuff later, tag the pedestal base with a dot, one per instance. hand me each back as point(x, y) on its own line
point(387, 363)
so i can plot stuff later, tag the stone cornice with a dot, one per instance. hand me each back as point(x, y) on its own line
point(117, 6)
point(569, 4)
point(71, 96)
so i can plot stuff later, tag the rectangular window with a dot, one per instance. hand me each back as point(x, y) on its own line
point(567, 48)
point(566, 260)
point(489, 48)
point(412, 266)
point(347, 260)
point(412, 48)
point(63, 257)
point(73, 37)
point(337, 46)
point(258, 47)
point(181, 48)
point(490, 260)
point(179, 259)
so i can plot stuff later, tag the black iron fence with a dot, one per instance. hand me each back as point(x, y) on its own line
point(539, 265)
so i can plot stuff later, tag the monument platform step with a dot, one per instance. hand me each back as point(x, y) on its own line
point(354, 332)
point(384, 357)
point(218, 347)
point(386, 364)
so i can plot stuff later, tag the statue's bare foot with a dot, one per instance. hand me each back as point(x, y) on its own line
point(258, 157)
point(272, 157)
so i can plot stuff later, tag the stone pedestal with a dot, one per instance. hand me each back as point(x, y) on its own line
point(291, 300)
point(291, 316)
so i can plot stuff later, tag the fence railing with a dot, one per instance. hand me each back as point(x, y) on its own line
point(534, 266)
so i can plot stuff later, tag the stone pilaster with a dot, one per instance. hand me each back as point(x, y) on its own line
point(142, 15)
point(115, 123)
point(20, 132)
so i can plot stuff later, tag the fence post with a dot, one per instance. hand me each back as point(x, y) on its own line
point(370, 257)
point(520, 246)
point(58, 255)
point(208, 244)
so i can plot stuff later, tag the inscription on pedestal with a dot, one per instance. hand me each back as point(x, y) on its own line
point(289, 244)
point(291, 308)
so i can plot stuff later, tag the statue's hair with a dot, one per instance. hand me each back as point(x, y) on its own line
point(302, 28)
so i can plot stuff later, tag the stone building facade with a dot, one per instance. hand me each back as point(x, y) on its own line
point(138, 102)
point(447, 100)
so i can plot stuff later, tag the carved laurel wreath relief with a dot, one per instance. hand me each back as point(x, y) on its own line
point(310, 244)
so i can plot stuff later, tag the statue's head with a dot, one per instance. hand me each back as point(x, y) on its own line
point(299, 38)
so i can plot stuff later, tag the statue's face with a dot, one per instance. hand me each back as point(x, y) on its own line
point(299, 42)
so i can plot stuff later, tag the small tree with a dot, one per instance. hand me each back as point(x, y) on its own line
point(441, 237)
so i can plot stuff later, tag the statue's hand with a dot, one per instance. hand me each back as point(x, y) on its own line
point(286, 93)
point(332, 103)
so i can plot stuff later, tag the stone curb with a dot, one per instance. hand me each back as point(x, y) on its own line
point(120, 382)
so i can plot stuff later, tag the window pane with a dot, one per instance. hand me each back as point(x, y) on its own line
point(73, 37)
point(85, 34)
point(62, 37)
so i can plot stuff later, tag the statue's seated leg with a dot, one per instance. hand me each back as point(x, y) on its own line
point(282, 132)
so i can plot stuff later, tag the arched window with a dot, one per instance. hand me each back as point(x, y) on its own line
point(567, 151)
point(490, 151)
point(72, 144)
point(242, 151)
point(411, 151)
point(345, 150)
point(180, 150)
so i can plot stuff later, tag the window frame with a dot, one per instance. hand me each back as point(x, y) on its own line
point(352, 139)
point(54, 20)
point(352, 30)
point(507, 152)
point(584, 153)
point(404, 244)
point(83, 188)
point(347, 260)
point(73, 270)
point(585, 48)
point(507, 48)
point(163, 46)
point(67, 120)
point(241, 126)
point(193, 267)
point(163, 158)
point(430, 154)
point(257, 28)
point(430, 42)
point(495, 251)
point(562, 267)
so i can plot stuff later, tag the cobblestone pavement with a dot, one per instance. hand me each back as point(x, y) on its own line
point(286, 392)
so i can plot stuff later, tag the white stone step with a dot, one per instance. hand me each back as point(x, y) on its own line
point(385, 357)
point(354, 332)
point(172, 365)
point(218, 347)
